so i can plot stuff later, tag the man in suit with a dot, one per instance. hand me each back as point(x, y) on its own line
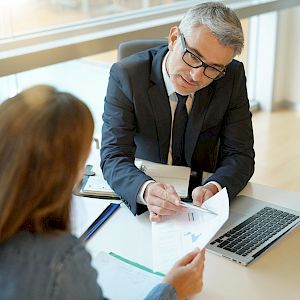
point(147, 116)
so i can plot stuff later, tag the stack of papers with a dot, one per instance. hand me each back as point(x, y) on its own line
point(98, 186)
point(177, 235)
point(178, 176)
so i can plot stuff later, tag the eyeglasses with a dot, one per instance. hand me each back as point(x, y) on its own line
point(195, 62)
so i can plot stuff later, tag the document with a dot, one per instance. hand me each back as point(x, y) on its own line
point(178, 176)
point(177, 235)
point(123, 279)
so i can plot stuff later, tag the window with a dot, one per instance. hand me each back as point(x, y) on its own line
point(26, 16)
point(66, 30)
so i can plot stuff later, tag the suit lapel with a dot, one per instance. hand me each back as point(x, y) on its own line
point(196, 117)
point(160, 105)
point(162, 111)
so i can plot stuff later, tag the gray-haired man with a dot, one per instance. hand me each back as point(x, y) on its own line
point(212, 132)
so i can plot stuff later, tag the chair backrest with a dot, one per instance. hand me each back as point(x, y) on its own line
point(130, 47)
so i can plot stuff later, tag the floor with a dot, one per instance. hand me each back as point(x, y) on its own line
point(277, 147)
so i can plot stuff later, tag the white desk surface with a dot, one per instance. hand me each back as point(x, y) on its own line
point(275, 275)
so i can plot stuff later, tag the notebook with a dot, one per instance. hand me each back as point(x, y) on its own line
point(178, 176)
point(252, 228)
point(97, 186)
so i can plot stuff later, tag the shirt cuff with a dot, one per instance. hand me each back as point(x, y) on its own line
point(140, 196)
point(216, 184)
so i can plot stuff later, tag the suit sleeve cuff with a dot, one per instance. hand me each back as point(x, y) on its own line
point(140, 197)
point(162, 291)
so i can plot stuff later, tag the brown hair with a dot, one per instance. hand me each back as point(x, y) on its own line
point(45, 137)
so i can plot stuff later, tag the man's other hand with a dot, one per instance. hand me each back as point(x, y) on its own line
point(202, 193)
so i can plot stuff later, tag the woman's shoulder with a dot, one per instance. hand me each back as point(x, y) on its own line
point(57, 263)
point(39, 251)
point(34, 243)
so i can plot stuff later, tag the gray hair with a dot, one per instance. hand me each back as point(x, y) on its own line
point(220, 20)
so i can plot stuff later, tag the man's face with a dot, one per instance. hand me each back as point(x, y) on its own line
point(201, 42)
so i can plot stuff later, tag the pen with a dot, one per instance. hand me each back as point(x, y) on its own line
point(191, 206)
point(104, 216)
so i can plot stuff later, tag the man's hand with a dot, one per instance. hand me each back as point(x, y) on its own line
point(162, 200)
point(202, 193)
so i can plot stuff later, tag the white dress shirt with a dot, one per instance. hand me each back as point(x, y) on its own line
point(173, 104)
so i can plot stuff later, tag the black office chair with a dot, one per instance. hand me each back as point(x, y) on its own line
point(130, 47)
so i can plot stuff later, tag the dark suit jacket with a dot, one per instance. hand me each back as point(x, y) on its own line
point(137, 123)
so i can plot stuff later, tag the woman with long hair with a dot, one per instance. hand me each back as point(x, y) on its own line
point(45, 138)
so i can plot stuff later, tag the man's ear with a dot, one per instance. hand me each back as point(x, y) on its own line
point(173, 35)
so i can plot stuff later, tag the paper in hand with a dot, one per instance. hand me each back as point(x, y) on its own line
point(177, 235)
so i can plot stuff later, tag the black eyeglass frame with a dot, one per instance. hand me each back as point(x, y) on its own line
point(203, 64)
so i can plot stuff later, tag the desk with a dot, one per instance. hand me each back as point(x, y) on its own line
point(275, 275)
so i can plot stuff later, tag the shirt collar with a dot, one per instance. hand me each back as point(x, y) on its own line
point(169, 86)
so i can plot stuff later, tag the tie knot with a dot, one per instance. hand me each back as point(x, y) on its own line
point(181, 98)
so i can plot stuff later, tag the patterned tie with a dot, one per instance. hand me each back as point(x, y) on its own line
point(179, 125)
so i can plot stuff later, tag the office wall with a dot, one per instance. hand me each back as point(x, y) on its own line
point(287, 72)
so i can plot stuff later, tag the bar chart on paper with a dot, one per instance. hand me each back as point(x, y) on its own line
point(177, 235)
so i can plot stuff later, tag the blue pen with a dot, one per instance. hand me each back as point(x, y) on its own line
point(104, 216)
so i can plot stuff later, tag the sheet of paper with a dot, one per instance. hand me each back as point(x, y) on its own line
point(178, 176)
point(120, 280)
point(177, 235)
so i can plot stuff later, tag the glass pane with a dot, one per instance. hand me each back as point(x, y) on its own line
point(243, 57)
point(23, 16)
point(86, 78)
point(8, 87)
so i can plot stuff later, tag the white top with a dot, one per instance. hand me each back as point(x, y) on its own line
point(173, 101)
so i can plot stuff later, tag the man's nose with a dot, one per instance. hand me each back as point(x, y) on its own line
point(197, 73)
